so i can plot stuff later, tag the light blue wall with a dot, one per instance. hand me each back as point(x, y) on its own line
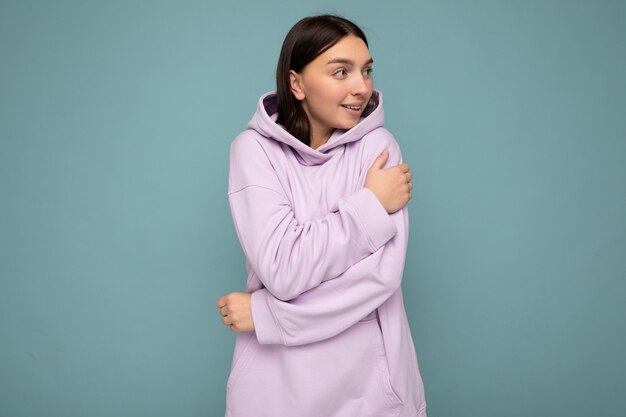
point(116, 239)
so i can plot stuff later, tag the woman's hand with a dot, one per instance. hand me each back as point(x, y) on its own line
point(392, 186)
point(236, 310)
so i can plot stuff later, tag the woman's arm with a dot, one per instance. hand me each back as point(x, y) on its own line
point(291, 258)
point(334, 305)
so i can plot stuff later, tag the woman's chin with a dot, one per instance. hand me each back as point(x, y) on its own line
point(349, 124)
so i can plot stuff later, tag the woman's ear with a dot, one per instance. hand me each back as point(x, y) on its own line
point(295, 84)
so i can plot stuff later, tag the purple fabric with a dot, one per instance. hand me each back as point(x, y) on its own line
point(322, 255)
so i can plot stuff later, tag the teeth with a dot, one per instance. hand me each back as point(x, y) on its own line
point(352, 107)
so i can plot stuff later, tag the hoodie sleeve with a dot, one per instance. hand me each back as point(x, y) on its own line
point(288, 257)
point(335, 305)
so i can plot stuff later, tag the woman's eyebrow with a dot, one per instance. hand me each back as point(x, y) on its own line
point(347, 61)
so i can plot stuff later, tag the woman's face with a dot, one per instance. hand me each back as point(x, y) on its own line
point(335, 87)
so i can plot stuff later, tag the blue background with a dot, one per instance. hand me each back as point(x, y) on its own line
point(116, 237)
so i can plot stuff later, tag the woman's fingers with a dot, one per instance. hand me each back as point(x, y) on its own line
point(235, 309)
point(404, 167)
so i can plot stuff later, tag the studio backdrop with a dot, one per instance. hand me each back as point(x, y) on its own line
point(116, 239)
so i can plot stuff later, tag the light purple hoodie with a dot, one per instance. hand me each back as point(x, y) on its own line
point(325, 263)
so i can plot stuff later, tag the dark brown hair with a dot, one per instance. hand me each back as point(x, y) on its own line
point(306, 40)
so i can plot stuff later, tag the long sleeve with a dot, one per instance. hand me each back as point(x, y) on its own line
point(291, 258)
point(335, 305)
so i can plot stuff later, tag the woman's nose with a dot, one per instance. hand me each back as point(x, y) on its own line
point(360, 85)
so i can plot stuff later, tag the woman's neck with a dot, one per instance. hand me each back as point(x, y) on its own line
point(318, 138)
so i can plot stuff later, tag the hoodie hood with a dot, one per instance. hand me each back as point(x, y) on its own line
point(264, 123)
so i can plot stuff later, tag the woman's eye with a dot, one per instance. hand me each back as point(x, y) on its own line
point(340, 73)
point(368, 72)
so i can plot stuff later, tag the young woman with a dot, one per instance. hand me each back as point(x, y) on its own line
point(318, 194)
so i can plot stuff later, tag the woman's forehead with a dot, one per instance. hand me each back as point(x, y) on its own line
point(350, 50)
